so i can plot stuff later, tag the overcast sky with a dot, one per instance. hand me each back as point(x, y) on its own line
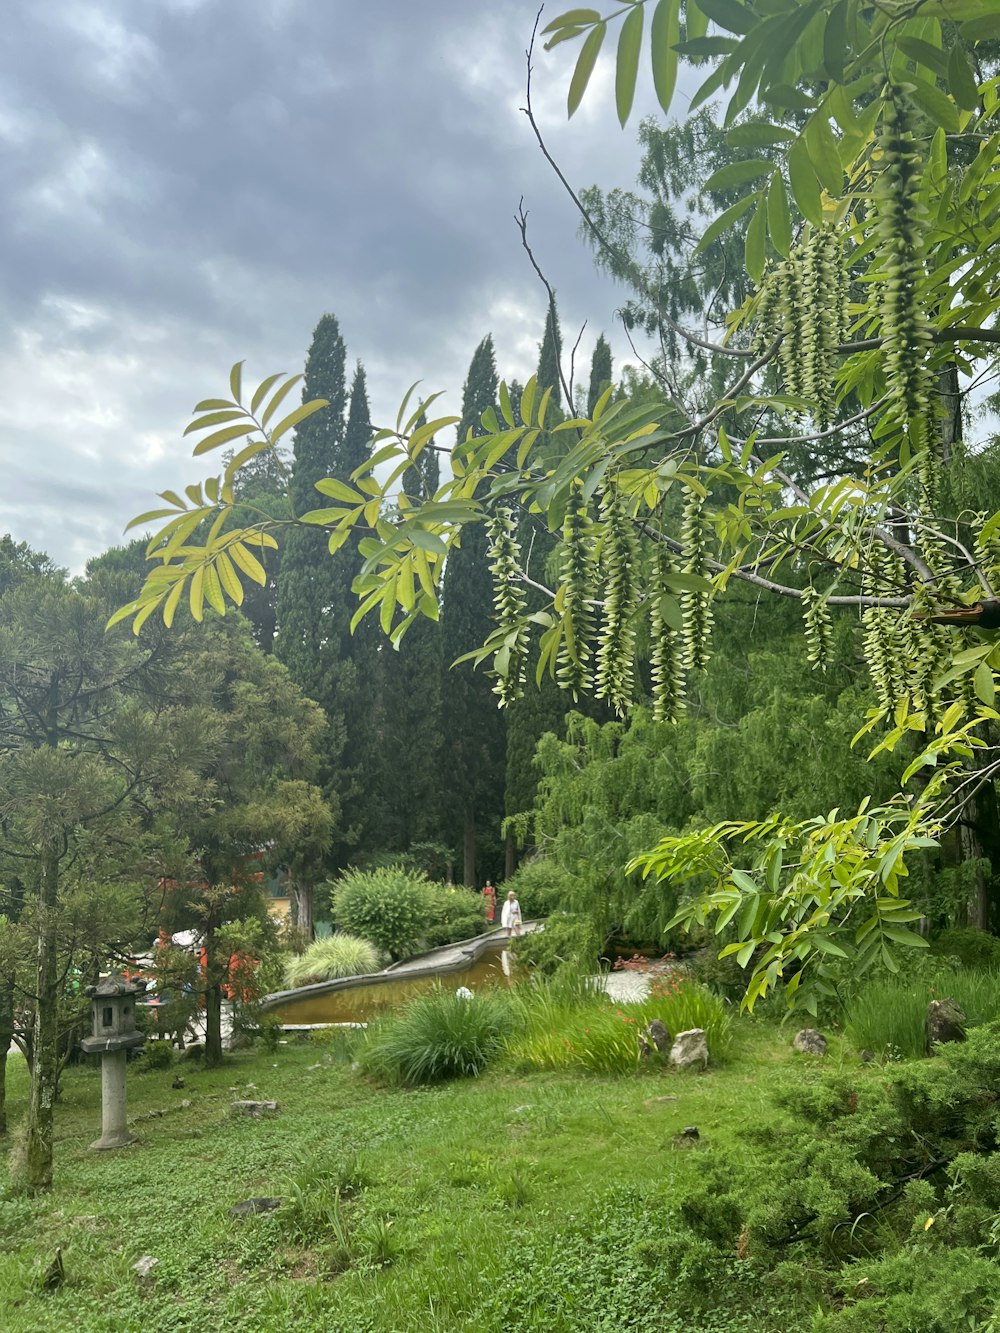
point(188, 183)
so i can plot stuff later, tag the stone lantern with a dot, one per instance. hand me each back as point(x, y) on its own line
point(112, 1006)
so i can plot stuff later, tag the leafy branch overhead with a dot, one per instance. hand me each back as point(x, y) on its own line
point(865, 178)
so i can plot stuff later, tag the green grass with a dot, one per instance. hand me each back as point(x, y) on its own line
point(405, 1209)
point(888, 1017)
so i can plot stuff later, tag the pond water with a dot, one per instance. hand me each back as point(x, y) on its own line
point(358, 1004)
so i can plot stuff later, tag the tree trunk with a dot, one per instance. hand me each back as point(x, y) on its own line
point(45, 1066)
point(302, 907)
point(6, 1037)
point(469, 852)
point(213, 1003)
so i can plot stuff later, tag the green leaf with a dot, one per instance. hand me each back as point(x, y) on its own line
point(745, 882)
point(235, 380)
point(805, 186)
point(263, 389)
point(779, 218)
point(706, 46)
point(671, 613)
point(984, 684)
point(983, 29)
point(755, 249)
point(214, 419)
point(221, 437)
point(573, 18)
point(300, 414)
point(663, 37)
point(249, 563)
point(585, 66)
point(941, 109)
point(900, 935)
point(339, 490)
point(711, 85)
point(627, 64)
point(923, 53)
point(824, 154)
point(723, 222)
point(682, 581)
point(835, 44)
point(278, 397)
point(424, 540)
point(738, 173)
point(758, 134)
point(728, 14)
point(961, 79)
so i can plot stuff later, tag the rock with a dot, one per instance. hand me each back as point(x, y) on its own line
point(250, 1206)
point(145, 1271)
point(866, 1057)
point(945, 1022)
point(184, 1103)
point(178, 1082)
point(463, 993)
point(690, 1048)
point(687, 1138)
point(652, 1101)
point(520, 1110)
point(659, 1035)
point(809, 1042)
point(690, 1132)
point(254, 1109)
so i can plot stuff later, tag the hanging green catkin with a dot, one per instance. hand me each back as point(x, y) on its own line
point(665, 647)
point(696, 607)
point(900, 224)
point(818, 628)
point(577, 589)
point(509, 605)
point(615, 669)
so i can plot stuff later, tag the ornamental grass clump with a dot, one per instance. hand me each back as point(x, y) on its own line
point(338, 955)
point(440, 1036)
point(564, 1022)
point(681, 1004)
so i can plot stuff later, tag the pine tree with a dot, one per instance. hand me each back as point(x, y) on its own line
point(600, 373)
point(473, 748)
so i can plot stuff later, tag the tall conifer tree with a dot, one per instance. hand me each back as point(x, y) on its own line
point(600, 372)
point(549, 356)
point(473, 750)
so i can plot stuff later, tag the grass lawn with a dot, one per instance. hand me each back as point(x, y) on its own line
point(501, 1203)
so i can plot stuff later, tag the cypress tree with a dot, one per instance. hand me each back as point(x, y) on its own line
point(600, 372)
point(315, 602)
point(549, 355)
point(473, 748)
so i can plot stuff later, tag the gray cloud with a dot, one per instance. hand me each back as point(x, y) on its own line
point(192, 182)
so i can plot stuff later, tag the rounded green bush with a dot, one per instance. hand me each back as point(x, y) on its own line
point(338, 955)
point(388, 906)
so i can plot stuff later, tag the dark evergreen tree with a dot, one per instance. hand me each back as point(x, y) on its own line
point(600, 372)
point(313, 594)
point(473, 749)
point(549, 356)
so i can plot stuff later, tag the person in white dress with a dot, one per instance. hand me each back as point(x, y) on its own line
point(510, 915)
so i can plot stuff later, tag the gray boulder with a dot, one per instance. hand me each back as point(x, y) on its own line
point(809, 1042)
point(689, 1049)
point(945, 1022)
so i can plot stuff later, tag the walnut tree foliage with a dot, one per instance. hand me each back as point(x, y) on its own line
point(870, 199)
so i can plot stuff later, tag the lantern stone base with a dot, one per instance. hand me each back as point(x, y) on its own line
point(114, 1105)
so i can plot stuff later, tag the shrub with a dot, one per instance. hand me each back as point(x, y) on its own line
point(439, 1036)
point(568, 943)
point(387, 906)
point(155, 1055)
point(338, 955)
point(972, 948)
point(542, 887)
point(454, 913)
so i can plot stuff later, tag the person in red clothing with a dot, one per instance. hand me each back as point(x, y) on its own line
point(490, 901)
